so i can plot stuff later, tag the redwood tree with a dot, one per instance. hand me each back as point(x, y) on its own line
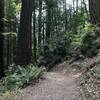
point(34, 31)
point(94, 8)
point(1, 37)
point(48, 19)
point(24, 50)
point(40, 25)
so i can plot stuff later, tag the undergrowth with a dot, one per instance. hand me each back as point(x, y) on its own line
point(18, 76)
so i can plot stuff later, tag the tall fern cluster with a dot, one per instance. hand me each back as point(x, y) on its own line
point(18, 76)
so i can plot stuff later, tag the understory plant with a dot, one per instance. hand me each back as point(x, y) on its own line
point(86, 42)
point(18, 76)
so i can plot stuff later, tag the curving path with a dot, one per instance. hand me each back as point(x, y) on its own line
point(55, 85)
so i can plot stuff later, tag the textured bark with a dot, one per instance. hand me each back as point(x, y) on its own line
point(40, 26)
point(24, 51)
point(48, 21)
point(34, 33)
point(1, 38)
point(94, 7)
point(1, 56)
point(1, 16)
point(43, 31)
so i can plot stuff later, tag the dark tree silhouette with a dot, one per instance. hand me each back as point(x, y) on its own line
point(40, 25)
point(1, 37)
point(94, 7)
point(24, 50)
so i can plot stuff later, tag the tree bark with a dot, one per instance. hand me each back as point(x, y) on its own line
point(94, 8)
point(24, 50)
point(48, 21)
point(39, 22)
point(1, 16)
point(34, 33)
point(1, 38)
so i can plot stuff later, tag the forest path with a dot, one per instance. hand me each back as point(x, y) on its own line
point(55, 85)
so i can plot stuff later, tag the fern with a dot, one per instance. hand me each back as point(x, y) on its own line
point(17, 76)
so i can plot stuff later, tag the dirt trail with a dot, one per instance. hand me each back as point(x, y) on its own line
point(55, 85)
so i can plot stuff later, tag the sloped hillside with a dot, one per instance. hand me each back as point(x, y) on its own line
point(90, 79)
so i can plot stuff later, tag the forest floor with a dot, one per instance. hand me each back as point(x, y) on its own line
point(59, 84)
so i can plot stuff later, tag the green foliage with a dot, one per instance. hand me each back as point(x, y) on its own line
point(17, 76)
point(90, 43)
point(12, 9)
point(56, 51)
point(75, 50)
point(60, 44)
point(79, 18)
point(86, 42)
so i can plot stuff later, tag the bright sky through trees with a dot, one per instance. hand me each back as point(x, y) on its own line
point(70, 2)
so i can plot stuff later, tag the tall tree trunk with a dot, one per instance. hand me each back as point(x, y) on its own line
point(34, 33)
point(24, 51)
point(94, 8)
point(48, 21)
point(40, 27)
point(74, 5)
point(1, 56)
point(85, 8)
point(65, 15)
point(1, 38)
point(43, 32)
point(1, 16)
point(77, 2)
